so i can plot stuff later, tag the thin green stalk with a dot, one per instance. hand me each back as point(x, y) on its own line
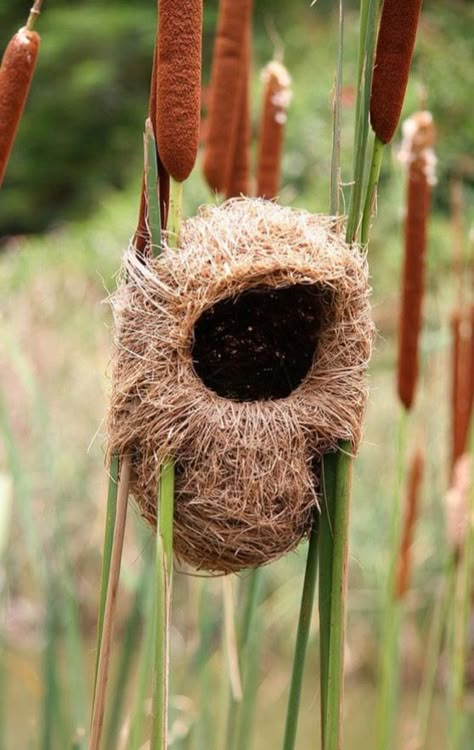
point(163, 576)
point(371, 196)
point(302, 637)
point(367, 40)
point(335, 678)
point(110, 604)
point(238, 709)
point(107, 553)
point(389, 667)
point(434, 644)
point(53, 729)
point(248, 706)
point(145, 664)
point(164, 544)
point(128, 648)
point(336, 133)
point(152, 188)
point(175, 212)
point(326, 551)
point(161, 644)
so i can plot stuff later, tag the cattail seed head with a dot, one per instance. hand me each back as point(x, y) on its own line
point(404, 564)
point(417, 154)
point(238, 177)
point(178, 96)
point(16, 72)
point(277, 98)
point(461, 388)
point(228, 66)
point(395, 43)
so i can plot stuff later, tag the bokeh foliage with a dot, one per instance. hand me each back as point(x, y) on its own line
point(81, 133)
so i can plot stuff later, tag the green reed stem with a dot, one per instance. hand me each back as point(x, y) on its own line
point(175, 212)
point(336, 132)
point(434, 645)
point(335, 677)
point(152, 188)
point(110, 516)
point(367, 40)
point(371, 195)
point(238, 711)
point(145, 664)
point(326, 552)
point(163, 582)
point(302, 637)
point(128, 649)
point(389, 653)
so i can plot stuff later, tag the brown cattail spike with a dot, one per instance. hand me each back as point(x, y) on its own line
point(238, 177)
point(179, 85)
point(276, 101)
point(411, 511)
point(461, 392)
point(228, 66)
point(417, 154)
point(396, 39)
point(16, 72)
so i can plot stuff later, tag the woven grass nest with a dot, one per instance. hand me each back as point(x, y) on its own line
point(241, 355)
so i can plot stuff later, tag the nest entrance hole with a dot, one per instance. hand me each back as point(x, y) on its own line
point(260, 344)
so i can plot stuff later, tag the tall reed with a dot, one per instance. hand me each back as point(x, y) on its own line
point(417, 153)
point(178, 80)
point(404, 564)
point(228, 65)
point(238, 177)
point(16, 73)
point(276, 100)
point(395, 44)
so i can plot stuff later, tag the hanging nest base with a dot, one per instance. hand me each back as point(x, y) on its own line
point(242, 357)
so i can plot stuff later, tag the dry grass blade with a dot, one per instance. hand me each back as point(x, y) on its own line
point(114, 575)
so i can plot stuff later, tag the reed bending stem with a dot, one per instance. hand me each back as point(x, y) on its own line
point(371, 195)
point(110, 604)
point(34, 13)
point(302, 637)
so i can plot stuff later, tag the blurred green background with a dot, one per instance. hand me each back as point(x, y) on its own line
point(67, 210)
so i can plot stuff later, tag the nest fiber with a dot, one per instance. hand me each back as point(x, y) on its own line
point(242, 356)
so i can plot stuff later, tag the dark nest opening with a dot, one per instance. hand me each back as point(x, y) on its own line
point(260, 344)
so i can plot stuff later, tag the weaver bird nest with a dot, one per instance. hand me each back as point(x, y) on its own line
point(241, 356)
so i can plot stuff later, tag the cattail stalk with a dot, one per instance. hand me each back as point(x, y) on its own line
point(417, 153)
point(16, 72)
point(238, 178)
point(178, 95)
point(395, 43)
point(277, 97)
point(404, 563)
point(224, 104)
